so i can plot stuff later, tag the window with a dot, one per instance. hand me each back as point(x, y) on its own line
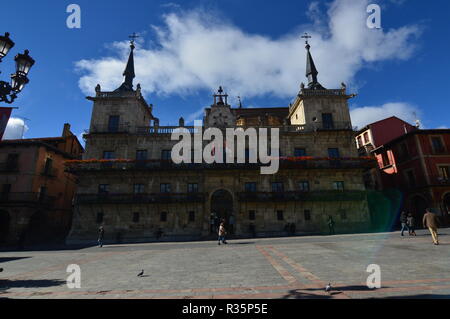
point(438, 146)
point(113, 123)
point(411, 178)
point(299, 152)
point(48, 166)
point(339, 186)
point(165, 188)
point(252, 215)
point(444, 172)
point(6, 189)
point(280, 215)
point(385, 158)
point(42, 193)
point(141, 155)
point(327, 120)
point(404, 153)
point(12, 162)
point(366, 138)
point(163, 217)
point(250, 187)
point(333, 153)
point(191, 217)
point(303, 186)
point(360, 143)
point(343, 214)
point(192, 188)
point(99, 218)
point(307, 214)
point(136, 217)
point(166, 155)
point(103, 189)
point(108, 155)
point(139, 188)
point(277, 187)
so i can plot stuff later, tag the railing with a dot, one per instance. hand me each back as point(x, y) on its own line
point(334, 92)
point(34, 198)
point(118, 94)
point(8, 167)
point(151, 130)
point(169, 165)
point(325, 195)
point(140, 198)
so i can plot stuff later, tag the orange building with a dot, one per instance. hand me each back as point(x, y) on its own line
point(36, 194)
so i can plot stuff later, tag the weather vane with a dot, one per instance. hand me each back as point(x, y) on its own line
point(133, 37)
point(306, 36)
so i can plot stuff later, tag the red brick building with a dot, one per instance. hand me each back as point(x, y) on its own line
point(418, 164)
point(36, 193)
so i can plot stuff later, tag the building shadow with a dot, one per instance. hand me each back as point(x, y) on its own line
point(6, 284)
point(421, 296)
point(8, 259)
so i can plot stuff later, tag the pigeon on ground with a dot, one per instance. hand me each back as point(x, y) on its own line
point(328, 288)
point(1, 269)
point(141, 273)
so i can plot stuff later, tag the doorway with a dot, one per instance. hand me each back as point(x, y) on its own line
point(4, 226)
point(222, 205)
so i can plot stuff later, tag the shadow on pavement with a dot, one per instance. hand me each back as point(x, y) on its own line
point(7, 259)
point(423, 296)
point(44, 283)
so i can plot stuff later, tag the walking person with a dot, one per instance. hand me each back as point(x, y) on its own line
point(331, 225)
point(431, 221)
point(404, 221)
point(411, 221)
point(101, 235)
point(222, 233)
point(231, 222)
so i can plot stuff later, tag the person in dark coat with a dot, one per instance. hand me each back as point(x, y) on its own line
point(331, 225)
point(404, 222)
point(431, 221)
point(101, 235)
point(411, 221)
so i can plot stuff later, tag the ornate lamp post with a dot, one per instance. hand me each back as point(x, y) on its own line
point(24, 62)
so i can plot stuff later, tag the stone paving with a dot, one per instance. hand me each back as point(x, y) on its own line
point(294, 267)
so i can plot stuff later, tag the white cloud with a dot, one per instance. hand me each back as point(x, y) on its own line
point(362, 116)
point(195, 50)
point(14, 129)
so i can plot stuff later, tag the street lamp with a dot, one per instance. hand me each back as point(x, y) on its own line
point(24, 62)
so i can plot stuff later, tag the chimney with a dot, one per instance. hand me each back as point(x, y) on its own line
point(66, 130)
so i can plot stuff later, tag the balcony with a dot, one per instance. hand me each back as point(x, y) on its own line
point(9, 167)
point(140, 198)
point(26, 198)
point(325, 195)
point(154, 165)
point(161, 130)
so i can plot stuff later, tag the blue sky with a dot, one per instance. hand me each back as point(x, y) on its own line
point(252, 48)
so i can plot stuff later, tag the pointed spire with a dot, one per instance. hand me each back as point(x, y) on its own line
point(311, 70)
point(129, 74)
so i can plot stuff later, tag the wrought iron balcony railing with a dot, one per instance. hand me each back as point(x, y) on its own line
point(140, 198)
point(285, 163)
point(31, 198)
point(325, 195)
point(152, 130)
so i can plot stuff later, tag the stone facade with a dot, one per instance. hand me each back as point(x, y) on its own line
point(128, 183)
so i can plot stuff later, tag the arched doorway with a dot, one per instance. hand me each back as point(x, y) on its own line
point(447, 203)
point(418, 207)
point(38, 231)
point(4, 226)
point(222, 204)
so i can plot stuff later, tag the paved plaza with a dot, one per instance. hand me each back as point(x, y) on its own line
point(279, 268)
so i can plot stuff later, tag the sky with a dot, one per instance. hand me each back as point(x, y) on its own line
point(252, 48)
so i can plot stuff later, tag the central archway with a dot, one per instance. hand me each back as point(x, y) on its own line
point(4, 226)
point(222, 204)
